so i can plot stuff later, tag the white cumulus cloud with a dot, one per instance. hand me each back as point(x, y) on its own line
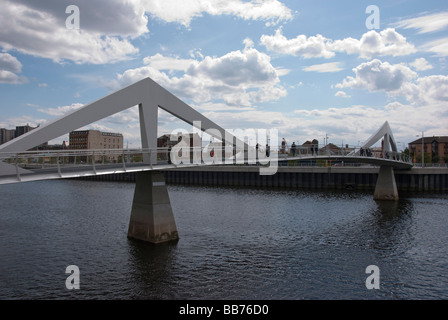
point(181, 11)
point(10, 67)
point(433, 89)
point(35, 28)
point(61, 110)
point(341, 94)
point(372, 44)
point(375, 44)
point(107, 28)
point(376, 75)
point(324, 67)
point(237, 78)
point(308, 47)
point(421, 64)
point(398, 80)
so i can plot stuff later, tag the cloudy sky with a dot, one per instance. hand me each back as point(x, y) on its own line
point(306, 68)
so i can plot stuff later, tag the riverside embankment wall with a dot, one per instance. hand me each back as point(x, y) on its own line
point(355, 178)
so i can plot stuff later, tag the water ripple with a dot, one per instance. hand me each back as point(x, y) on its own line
point(235, 243)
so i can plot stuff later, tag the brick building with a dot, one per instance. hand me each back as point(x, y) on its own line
point(435, 149)
point(96, 140)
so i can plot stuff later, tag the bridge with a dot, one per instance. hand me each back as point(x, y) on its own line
point(29, 166)
point(152, 219)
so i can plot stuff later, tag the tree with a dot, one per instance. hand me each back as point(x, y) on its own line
point(427, 158)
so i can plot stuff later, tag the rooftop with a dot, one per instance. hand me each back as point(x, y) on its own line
point(103, 133)
point(440, 139)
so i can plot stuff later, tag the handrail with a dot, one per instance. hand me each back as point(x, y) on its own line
point(44, 164)
point(123, 156)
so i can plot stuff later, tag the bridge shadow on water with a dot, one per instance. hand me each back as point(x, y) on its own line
point(151, 269)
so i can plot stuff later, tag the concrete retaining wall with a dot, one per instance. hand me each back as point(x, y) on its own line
point(359, 178)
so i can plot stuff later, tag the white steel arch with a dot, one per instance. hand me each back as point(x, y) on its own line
point(385, 132)
point(146, 93)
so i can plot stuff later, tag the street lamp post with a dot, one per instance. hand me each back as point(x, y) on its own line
point(423, 150)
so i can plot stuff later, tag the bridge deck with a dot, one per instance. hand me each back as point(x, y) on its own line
point(10, 173)
point(396, 164)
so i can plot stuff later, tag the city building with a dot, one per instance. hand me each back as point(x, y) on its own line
point(165, 141)
point(6, 135)
point(331, 149)
point(435, 149)
point(97, 140)
point(46, 146)
point(22, 130)
point(9, 134)
point(311, 146)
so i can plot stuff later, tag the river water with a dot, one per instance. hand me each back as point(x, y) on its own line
point(234, 244)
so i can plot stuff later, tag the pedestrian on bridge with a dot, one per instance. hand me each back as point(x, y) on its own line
point(283, 146)
point(293, 149)
point(257, 147)
point(169, 155)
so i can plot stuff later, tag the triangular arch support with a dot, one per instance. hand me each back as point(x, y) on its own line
point(384, 133)
point(147, 94)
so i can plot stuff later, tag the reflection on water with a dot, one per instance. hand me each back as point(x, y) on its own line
point(151, 269)
point(234, 244)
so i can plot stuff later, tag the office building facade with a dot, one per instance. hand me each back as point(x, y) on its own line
point(97, 140)
point(435, 149)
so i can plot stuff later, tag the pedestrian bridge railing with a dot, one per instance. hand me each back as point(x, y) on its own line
point(72, 162)
point(309, 152)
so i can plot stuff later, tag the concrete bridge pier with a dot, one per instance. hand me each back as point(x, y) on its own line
point(386, 186)
point(152, 218)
